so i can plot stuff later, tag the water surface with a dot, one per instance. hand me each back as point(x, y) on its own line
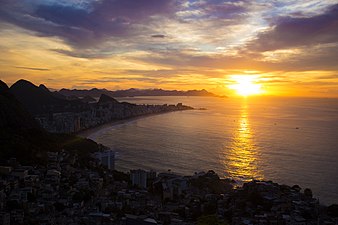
point(287, 140)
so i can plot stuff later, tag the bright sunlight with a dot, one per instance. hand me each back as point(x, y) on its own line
point(246, 85)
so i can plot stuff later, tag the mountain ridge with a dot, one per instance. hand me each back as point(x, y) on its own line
point(38, 99)
point(133, 92)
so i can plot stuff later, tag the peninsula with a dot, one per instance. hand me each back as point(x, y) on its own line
point(58, 113)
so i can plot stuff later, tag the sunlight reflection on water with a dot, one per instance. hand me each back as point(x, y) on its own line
point(241, 157)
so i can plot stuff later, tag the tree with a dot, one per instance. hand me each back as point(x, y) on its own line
point(308, 192)
point(210, 220)
point(332, 210)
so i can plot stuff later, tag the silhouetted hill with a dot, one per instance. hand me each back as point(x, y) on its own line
point(94, 93)
point(40, 100)
point(53, 93)
point(43, 87)
point(105, 98)
point(3, 86)
point(58, 95)
point(72, 98)
point(12, 114)
point(132, 92)
point(22, 137)
point(20, 134)
point(88, 99)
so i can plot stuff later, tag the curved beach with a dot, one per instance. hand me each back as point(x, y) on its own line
point(90, 131)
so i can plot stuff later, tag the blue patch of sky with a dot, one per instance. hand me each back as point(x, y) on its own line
point(77, 4)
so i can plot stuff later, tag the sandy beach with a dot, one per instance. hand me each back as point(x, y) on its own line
point(90, 131)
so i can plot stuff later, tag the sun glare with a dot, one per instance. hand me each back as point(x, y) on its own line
point(246, 85)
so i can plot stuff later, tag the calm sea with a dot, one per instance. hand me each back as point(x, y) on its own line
point(287, 140)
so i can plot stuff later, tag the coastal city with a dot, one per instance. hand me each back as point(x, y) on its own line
point(65, 191)
point(59, 113)
point(168, 112)
point(105, 110)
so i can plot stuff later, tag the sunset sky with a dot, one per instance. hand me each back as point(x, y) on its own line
point(290, 47)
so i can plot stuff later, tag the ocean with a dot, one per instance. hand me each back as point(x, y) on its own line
point(286, 140)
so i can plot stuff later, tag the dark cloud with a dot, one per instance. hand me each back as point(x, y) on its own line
point(82, 27)
point(288, 32)
point(160, 73)
point(86, 54)
point(32, 68)
point(219, 9)
point(158, 36)
point(273, 80)
point(327, 77)
point(184, 60)
point(117, 80)
point(134, 10)
point(321, 58)
point(225, 10)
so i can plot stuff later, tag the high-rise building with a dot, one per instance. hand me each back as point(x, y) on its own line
point(107, 158)
point(138, 178)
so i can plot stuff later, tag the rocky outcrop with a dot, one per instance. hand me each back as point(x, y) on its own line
point(12, 114)
point(39, 100)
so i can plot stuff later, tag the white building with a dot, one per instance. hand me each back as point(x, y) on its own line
point(138, 178)
point(107, 158)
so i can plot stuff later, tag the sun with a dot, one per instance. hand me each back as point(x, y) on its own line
point(246, 85)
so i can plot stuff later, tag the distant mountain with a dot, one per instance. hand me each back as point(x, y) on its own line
point(41, 86)
point(88, 99)
point(132, 92)
point(105, 98)
point(160, 92)
point(94, 93)
point(40, 100)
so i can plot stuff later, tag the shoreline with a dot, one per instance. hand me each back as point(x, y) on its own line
point(92, 130)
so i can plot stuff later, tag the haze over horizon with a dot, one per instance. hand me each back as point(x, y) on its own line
point(289, 48)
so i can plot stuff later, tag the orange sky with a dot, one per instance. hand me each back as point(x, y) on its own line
point(290, 48)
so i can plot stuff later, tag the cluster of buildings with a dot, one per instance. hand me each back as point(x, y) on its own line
point(260, 202)
point(106, 158)
point(65, 192)
point(105, 110)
